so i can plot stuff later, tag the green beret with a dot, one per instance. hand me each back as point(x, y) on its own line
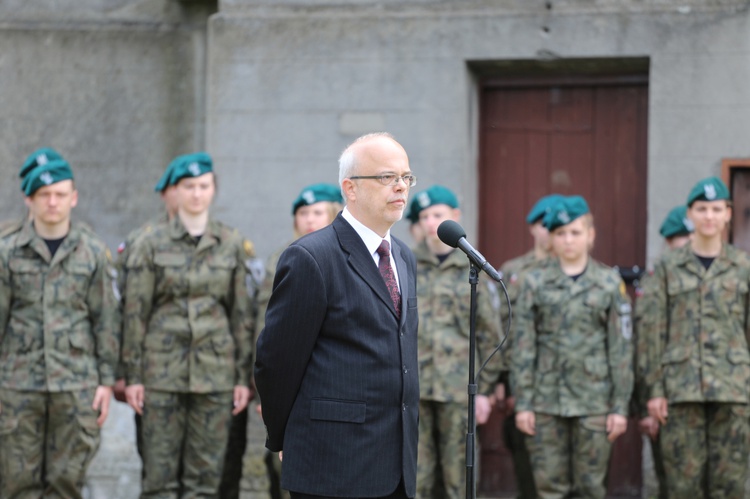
point(437, 194)
point(565, 211)
point(708, 189)
point(47, 174)
point(189, 165)
point(166, 179)
point(315, 194)
point(541, 208)
point(677, 223)
point(37, 158)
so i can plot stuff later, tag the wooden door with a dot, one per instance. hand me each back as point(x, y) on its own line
point(572, 136)
point(736, 174)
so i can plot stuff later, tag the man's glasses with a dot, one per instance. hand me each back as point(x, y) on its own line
point(390, 179)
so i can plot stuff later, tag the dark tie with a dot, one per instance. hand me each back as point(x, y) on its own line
point(384, 265)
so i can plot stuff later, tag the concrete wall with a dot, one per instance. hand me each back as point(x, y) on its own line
point(292, 82)
point(118, 87)
point(115, 86)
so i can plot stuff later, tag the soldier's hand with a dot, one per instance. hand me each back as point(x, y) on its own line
point(526, 422)
point(119, 390)
point(134, 395)
point(616, 426)
point(649, 426)
point(482, 408)
point(102, 398)
point(241, 398)
point(657, 409)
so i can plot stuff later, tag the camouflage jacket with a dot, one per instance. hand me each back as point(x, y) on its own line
point(188, 317)
point(511, 272)
point(58, 316)
point(125, 247)
point(264, 292)
point(698, 328)
point(444, 297)
point(10, 227)
point(123, 252)
point(573, 355)
point(644, 311)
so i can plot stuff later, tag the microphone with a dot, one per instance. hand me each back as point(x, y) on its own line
point(454, 236)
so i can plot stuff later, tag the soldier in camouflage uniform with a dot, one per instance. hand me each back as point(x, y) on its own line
point(572, 370)
point(699, 366)
point(443, 348)
point(415, 230)
point(675, 230)
point(511, 270)
point(187, 344)
point(316, 207)
point(168, 193)
point(58, 342)
point(39, 157)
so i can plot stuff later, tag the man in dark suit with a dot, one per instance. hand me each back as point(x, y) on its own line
point(336, 364)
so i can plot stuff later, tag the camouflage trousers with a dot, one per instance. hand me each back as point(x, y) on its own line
point(570, 456)
point(47, 440)
point(705, 450)
point(184, 442)
point(441, 453)
point(515, 440)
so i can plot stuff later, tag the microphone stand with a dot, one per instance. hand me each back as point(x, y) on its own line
point(471, 488)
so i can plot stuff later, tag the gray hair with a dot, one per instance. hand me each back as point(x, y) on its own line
point(348, 160)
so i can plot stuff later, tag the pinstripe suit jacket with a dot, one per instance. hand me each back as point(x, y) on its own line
point(337, 371)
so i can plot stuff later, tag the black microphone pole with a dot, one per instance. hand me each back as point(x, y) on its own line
point(452, 234)
point(471, 487)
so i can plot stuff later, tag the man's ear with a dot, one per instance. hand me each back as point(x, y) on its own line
point(349, 189)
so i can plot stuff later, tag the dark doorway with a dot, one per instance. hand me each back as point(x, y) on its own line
point(569, 128)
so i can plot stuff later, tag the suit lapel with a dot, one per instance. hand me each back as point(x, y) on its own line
point(361, 261)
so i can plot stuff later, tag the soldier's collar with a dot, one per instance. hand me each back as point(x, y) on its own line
point(177, 229)
point(26, 234)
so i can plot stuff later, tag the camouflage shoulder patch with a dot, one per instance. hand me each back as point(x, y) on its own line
point(248, 247)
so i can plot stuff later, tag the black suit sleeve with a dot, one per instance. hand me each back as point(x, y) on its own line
point(293, 320)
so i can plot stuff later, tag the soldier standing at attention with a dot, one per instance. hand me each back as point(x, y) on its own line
point(511, 270)
point(39, 157)
point(168, 194)
point(443, 295)
point(675, 230)
point(316, 207)
point(572, 372)
point(699, 366)
point(186, 346)
point(58, 342)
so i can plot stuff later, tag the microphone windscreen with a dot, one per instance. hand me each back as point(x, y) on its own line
point(450, 233)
